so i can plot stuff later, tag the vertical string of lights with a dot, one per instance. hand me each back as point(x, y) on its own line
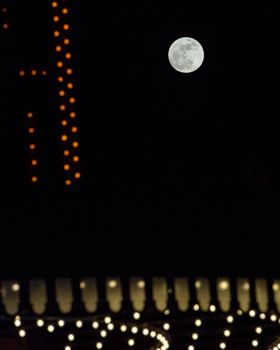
point(67, 100)
point(33, 154)
point(5, 23)
point(32, 145)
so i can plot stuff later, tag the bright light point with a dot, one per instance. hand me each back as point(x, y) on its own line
point(15, 287)
point(195, 336)
point(123, 328)
point(198, 322)
point(83, 284)
point(212, 308)
point(190, 347)
point(95, 324)
point(103, 334)
point(196, 307)
point(107, 320)
point(134, 330)
point(71, 337)
point(273, 318)
point(230, 319)
point(40, 323)
point(136, 315)
point(112, 284)
point(50, 328)
point(79, 324)
point(166, 326)
point(223, 285)
point(110, 326)
point(223, 345)
point(99, 345)
point(258, 330)
point(255, 343)
point(141, 284)
point(61, 323)
point(226, 332)
point(252, 313)
point(131, 342)
point(145, 331)
point(22, 333)
point(17, 322)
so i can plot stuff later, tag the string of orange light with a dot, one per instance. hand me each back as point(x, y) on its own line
point(69, 129)
point(33, 159)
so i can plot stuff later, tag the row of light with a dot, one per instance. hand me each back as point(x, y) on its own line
point(5, 24)
point(65, 94)
point(224, 285)
point(112, 284)
point(33, 159)
point(106, 325)
point(32, 72)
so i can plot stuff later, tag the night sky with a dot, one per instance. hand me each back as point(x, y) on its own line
point(179, 172)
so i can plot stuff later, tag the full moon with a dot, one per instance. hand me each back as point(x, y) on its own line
point(186, 55)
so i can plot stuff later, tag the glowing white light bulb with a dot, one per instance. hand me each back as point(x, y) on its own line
point(107, 319)
point(252, 313)
point(61, 323)
point(79, 324)
point(195, 336)
point(131, 342)
point(134, 330)
point(103, 333)
point(226, 332)
point(141, 284)
point(136, 315)
point(15, 287)
point(22, 333)
point(230, 319)
point(110, 326)
point(212, 308)
point(17, 322)
point(71, 337)
point(40, 323)
point(123, 328)
point(50, 328)
point(112, 284)
point(166, 326)
point(223, 285)
point(95, 324)
point(145, 331)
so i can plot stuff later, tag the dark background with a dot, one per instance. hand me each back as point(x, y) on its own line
point(180, 172)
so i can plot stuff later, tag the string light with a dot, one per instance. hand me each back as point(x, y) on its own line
point(64, 57)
